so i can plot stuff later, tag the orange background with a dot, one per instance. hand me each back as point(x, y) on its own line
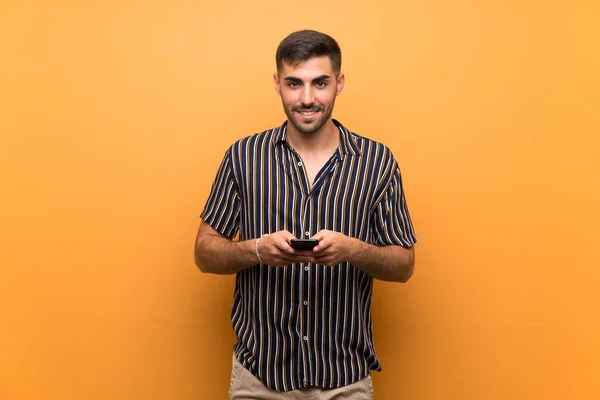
point(114, 117)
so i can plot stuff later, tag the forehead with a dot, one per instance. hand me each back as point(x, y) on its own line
point(311, 68)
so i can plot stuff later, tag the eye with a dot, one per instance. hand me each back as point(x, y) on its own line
point(321, 83)
point(292, 84)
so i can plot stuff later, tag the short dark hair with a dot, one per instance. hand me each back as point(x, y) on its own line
point(303, 45)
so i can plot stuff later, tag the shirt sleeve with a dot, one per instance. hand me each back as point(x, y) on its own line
point(390, 220)
point(222, 209)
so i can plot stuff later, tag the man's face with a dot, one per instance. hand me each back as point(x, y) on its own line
point(308, 92)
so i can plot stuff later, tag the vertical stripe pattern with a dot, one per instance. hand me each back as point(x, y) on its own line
point(307, 324)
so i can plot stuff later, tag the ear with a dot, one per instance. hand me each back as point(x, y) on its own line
point(340, 83)
point(277, 84)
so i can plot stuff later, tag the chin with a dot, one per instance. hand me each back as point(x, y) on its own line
point(307, 129)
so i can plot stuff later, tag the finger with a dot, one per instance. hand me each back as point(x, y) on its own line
point(281, 243)
point(327, 260)
point(320, 235)
point(288, 238)
point(285, 248)
point(285, 262)
point(300, 256)
point(329, 263)
point(295, 257)
point(323, 245)
point(303, 253)
point(285, 259)
point(287, 235)
point(288, 261)
point(306, 259)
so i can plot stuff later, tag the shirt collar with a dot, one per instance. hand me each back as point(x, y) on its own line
point(347, 140)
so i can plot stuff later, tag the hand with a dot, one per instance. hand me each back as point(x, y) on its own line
point(333, 248)
point(275, 250)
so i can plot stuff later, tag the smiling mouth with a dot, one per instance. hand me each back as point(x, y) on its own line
point(307, 113)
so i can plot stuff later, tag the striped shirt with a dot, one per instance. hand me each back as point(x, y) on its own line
point(306, 325)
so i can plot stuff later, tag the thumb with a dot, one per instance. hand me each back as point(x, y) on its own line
point(287, 235)
point(320, 235)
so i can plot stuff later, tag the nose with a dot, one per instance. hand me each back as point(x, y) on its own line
point(308, 97)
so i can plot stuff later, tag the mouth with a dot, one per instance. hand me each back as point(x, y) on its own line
point(307, 113)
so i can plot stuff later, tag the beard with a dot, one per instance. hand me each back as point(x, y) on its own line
point(312, 126)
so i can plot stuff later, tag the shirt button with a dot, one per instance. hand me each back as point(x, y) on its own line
point(300, 163)
point(305, 338)
point(307, 233)
point(305, 302)
point(306, 268)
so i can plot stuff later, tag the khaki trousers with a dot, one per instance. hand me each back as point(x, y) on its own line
point(245, 386)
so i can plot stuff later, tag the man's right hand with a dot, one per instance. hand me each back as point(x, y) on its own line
point(217, 254)
point(274, 249)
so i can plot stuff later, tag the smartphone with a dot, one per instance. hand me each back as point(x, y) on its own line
point(303, 244)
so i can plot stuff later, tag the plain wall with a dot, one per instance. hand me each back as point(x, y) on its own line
point(114, 117)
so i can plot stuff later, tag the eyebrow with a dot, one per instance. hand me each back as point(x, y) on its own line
point(298, 80)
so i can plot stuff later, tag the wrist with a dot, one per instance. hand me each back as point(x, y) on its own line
point(356, 248)
point(256, 251)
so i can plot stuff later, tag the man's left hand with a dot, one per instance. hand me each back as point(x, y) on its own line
point(334, 247)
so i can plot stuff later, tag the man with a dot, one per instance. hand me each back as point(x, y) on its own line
point(303, 317)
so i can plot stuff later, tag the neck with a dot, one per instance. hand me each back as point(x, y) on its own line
point(325, 139)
